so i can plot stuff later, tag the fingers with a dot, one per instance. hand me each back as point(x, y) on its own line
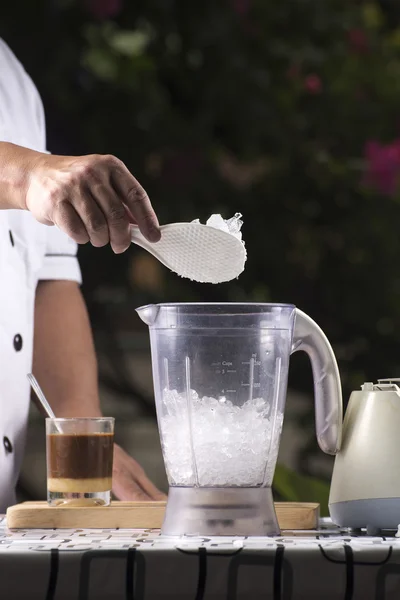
point(115, 227)
point(149, 488)
point(70, 222)
point(125, 483)
point(92, 217)
point(92, 198)
point(129, 491)
point(130, 216)
point(107, 208)
point(137, 201)
point(130, 481)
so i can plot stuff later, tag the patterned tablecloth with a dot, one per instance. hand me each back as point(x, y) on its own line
point(127, 564)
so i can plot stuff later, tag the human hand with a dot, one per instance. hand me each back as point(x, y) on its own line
point(130, 482)
point(91, 198)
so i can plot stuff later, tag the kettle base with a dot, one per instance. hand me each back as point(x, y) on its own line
point(372, 514)
point(220, 511)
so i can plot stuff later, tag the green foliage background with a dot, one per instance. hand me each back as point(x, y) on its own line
point(208, 105)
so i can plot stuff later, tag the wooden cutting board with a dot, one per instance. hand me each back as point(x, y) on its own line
point(133, 515)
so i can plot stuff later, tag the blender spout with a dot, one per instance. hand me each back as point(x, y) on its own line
point(148, 313)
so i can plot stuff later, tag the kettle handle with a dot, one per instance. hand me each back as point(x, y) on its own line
point(310, 338)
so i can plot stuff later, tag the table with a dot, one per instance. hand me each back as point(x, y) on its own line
point(128, 564)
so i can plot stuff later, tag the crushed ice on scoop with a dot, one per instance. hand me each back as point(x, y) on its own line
point(232, 225)
point(217, 270)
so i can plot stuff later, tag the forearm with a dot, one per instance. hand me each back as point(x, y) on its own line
point(64, 359)
point(16, 164)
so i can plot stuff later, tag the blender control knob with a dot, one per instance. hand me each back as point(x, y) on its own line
point(367, 387)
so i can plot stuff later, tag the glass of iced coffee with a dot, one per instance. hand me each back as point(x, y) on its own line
point(79, 461)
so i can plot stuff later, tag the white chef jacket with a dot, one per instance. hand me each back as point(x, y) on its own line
point(29, 252)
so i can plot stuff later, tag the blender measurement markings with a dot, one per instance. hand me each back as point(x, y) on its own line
point(251, 379)
point(253, 362)
point(224, 363)
point(246, 362)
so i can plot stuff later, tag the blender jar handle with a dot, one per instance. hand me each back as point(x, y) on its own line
point(311, 339)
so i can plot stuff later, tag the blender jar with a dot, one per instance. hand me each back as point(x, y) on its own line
point(220, 378)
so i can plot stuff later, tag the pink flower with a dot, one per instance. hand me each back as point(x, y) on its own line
point(104, 9)
point(383, 167)
point(313, 84)
point(241, 7)
point(358, 41)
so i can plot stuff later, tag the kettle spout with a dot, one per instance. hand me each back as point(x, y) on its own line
point(148, 313)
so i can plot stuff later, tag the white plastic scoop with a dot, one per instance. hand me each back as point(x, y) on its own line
point(202, 253)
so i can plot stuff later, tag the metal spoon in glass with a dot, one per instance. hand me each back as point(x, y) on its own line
point(43, 406)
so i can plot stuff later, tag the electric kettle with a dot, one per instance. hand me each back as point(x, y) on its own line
point(365, 486)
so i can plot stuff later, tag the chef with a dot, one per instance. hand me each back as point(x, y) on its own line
point(48, 205)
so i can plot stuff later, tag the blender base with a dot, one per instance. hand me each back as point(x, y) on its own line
point(220, 511)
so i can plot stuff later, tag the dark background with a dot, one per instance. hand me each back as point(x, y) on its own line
point(252, 106)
